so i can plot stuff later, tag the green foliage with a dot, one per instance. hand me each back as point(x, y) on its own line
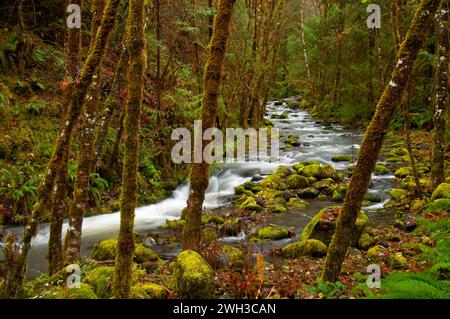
point(422, 285)
point(96, 186)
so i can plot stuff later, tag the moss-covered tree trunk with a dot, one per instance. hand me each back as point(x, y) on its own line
point(199, 177)
point(374, 136)
point(440, 97)
point(63, 142)
point(86, 154)
point(338, 75)
point(55, 255)
point(128, 200)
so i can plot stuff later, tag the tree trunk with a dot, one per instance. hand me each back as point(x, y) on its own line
point(373, 139)
point(85, 156)
point(128, 199)
point(199, 177)
point(302, 33)
point(337, 79)
point(63, 142)
point(441, 96)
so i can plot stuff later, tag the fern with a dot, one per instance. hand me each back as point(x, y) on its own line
point(423, 285)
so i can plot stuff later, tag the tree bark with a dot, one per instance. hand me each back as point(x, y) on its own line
point(441, 94)
point(72, 247)
point(337, 79)
point(373, 139)
point(128, 199)
point(63, 142)
point(199, 177)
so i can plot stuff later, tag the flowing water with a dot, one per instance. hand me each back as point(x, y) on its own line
point(318, 142)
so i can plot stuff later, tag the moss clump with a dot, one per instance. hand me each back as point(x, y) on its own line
point(341, 158)
point(233, 256)
point(101, 280)
point(297, 203)
point(391, 236)
point(397, 193)
point(296, 181)
point(323, 225)
point(397, 260)
point(311, 247)
point(318, 171)
point(339, 193)
point(148, 291)
point(250, 204)
point(84, 292)
point(365, 241)
point(273, 181)
point(373, 197)
point(194, 277)
point(177, 225)
point(208, 235)
point(272, 233)
point(308, 193)
point(280, 209)
point(442, 191)
point(283, 171)
point(439, 205)
point(105, 249)
point(375, 252)
point(324, 184)
point(380, 169)
point(143, 254)
point(403, 172)
point(212, 219)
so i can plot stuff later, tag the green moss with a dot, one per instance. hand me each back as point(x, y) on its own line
point(84, 292)
point(397, 260)
point(297, 203)
point(148, 291)
point(311, 247)
point(391, 236)
point(212, 219)
point(273, 181)
point(439, 205)
point(339, 193)
point(442, 191)
point(280, 209)
point(397, 193)
point(403, 172)
point(101, 280)
point(296, 181)
point(441, 270)
point(380, 169)
point(194, 277)
point(373, 197)
point(177, 225)
point(324, 184)
point(208, 235)
point(250, 204)
point(143, 254)
point(375, 252)
point(318, 171)
point(365, 241)
point(308, 193)
point(239, 190)
point(298, 167)
point(341, 158)
point(233, 256)
point(272, 232)
point(105, 249)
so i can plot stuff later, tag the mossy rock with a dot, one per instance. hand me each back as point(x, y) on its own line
point(240, 190)
point(308, 193)
point(365, 241)
point(143, 254)
point(439, 205)
point(323, 184)
point(148, 291)
point(392, 236)
point(298, 167)
point(296, 181)
point(311, 247)
point(442, 191)
point(373, 197)
point(230, 227)
point(85, 291)
point(341, 158)
point(323, 225)
point(375, 252)
point(397, 260)
point(251, 205)
point(318, 171)
point(105, 249)
point(297, 203)
point(212, 219)
point(194, 276)
point(403, 172)
point(176, 225)
point(397, 159)
point(380, 169)
point(233, 256)
point(280, 209)
point(397, 193)
point(339, 193)
point(273, 181)
point(283, 171)
point(399, 151)
point(272, 233)
point(101, 279)
point(208, 235)
point(270, 198)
